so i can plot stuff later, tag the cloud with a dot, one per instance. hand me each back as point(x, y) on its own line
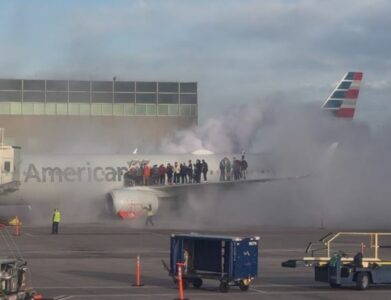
point(238, 51)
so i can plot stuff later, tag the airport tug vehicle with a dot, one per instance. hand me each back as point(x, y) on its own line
point(231, 260)
point(349, 258)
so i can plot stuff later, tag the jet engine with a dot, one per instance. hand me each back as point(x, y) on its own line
point(130, 203)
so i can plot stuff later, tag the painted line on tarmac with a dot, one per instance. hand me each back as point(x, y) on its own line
point(315, 292)
point(258, 291)
point(213, 294)
point(300, 293)
point(110, 296)
point(282, 250)
point(96, 287)
point(274, 285)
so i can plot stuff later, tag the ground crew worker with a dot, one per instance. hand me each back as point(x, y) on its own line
point(149, 219)
point(188, 258)
point(186, 261)
point(15, 221)
point(56, 221)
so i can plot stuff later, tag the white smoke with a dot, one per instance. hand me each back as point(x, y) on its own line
point(351, 190)
point(233, 131)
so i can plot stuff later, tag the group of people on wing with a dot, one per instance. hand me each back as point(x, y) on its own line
point(170, 174)
point(236, 170)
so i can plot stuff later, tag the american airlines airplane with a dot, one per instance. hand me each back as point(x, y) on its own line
point(50, 178)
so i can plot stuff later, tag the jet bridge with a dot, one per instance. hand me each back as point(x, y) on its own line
point(9, 166)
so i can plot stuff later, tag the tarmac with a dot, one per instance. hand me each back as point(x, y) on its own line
point(97, 261)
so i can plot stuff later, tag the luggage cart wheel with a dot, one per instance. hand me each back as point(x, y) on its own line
point(243, 286)
point(197, 283)
point(185, 283)
point(224, 287)
point(362, 281)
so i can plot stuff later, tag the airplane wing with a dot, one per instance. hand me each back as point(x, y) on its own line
point(130, 202)
point(194, 186)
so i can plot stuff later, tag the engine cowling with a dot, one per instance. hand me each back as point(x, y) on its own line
point(130, 203)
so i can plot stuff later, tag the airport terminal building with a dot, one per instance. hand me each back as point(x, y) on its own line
point(83, 116)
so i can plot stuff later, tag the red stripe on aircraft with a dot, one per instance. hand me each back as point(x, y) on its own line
point(352, 94)
point(345, 113)
point(357, 76)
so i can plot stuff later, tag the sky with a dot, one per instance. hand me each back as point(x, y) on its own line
point(244, 54)
point(239, 52)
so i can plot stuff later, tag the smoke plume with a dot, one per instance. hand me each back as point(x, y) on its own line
point(349, 190)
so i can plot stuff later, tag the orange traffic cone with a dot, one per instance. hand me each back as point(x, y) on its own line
point(138, 273)
point(17, 227)
point(180, 282)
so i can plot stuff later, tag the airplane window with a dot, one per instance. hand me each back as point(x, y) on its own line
point(7, 166)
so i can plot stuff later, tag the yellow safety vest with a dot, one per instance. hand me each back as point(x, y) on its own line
point(15, 221)
point(149, 212)
point(57, 216)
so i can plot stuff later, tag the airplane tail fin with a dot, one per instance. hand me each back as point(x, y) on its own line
point(342, 101)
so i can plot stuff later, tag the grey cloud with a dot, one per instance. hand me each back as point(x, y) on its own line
point(238, 51)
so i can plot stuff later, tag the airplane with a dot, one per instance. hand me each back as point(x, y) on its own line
point(101, 177)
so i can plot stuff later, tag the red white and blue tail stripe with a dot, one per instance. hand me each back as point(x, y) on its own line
point(342, 101)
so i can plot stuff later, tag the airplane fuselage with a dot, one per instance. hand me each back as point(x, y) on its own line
point(62, 178)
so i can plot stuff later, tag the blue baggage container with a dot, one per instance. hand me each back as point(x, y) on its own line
point(231, 260)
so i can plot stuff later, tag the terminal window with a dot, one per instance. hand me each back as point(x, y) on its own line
point(7, 166)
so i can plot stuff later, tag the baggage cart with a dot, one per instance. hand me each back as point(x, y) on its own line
point(231, 260)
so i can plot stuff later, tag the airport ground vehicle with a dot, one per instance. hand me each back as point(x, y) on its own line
point(14, 274)
point(13, 281)
point(339, 268)
point(231, 260)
